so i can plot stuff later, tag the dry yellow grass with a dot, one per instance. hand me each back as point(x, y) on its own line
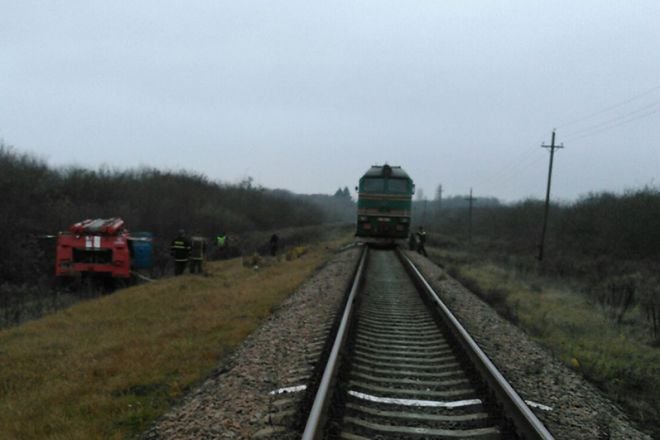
point(579, 334)
point(106, 368)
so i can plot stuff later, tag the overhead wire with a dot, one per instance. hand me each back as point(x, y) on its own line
point(610, 108)
point(524, 161)
point(506, 168)
point(610, 125)
point(507, 180)
point(632, 115)
point(511, 172)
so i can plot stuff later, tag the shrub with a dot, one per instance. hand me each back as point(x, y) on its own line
point(295, 253)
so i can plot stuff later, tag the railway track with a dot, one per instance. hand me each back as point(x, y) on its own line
point(401, 366)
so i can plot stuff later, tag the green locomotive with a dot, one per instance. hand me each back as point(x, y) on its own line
point(384, 203)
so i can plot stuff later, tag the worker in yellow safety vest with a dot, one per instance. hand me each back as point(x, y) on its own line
point(221, 246)
point(221, 240)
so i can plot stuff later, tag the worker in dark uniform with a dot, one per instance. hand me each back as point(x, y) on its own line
point(421, 240)
point(412, 241)
point(180, 250)
point(197, 253)
point(274, 241)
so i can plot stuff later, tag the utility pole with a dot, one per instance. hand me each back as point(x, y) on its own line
point(470, 200)
point(438, 196)
point(552, 148)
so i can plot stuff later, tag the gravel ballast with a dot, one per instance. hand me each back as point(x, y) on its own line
point(577, 409)
point(255, 392)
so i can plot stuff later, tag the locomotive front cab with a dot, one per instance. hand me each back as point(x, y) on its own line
point(384, 203)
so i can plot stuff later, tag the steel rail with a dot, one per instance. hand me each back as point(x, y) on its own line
point(323, 394)
point(524, 420)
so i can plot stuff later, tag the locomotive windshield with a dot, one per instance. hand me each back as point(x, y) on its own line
point(373, 185)
point(399, 186)
point(380, 185)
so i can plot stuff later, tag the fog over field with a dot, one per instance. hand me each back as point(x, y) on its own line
point(307, 95)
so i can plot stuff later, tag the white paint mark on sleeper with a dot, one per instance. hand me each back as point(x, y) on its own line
point(538, 405)
point(414, 402)
point(295, 389)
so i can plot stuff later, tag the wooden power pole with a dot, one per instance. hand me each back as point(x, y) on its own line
point(552, 148)
point(470, 200)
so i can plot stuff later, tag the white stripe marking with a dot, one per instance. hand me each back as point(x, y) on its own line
point(295, 389)
point(538, 405)
point(414, 402)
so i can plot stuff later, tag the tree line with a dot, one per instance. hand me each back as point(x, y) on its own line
point(596, 226)
point(38, 200)
point(608, 242)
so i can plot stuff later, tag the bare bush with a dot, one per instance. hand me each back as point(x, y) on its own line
point(617, 293)
point(650, 303)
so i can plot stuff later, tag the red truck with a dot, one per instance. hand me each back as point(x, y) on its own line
point(99, 246)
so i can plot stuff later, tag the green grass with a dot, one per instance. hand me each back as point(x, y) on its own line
point(106, 368)
point(615, 357)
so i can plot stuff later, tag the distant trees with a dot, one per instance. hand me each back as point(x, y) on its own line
point(599, 225)
point(343, 193)
point(624, 226)
point(339, 208)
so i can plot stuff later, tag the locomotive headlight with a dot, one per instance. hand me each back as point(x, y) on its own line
point(363, 219)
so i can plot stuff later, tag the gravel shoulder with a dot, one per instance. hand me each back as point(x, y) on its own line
point(578, 409)
point(251, 394)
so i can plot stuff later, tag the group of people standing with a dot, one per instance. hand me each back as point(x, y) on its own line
point(192, 251)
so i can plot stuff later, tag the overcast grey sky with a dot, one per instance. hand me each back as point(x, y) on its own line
point(306, 95)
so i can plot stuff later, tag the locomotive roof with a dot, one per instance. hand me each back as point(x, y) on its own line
point(381, 171)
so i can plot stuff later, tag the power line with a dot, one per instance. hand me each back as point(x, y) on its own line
point(511, 171)
point(606, 128)
point(522, 161)
point(506, 169)
point(512, 177)
point(633, 114)
point(610, 108)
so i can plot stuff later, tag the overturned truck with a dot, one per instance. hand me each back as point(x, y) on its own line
point(102, 247)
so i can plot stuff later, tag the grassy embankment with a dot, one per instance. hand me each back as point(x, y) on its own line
point(618, 358)
point(105, 368)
